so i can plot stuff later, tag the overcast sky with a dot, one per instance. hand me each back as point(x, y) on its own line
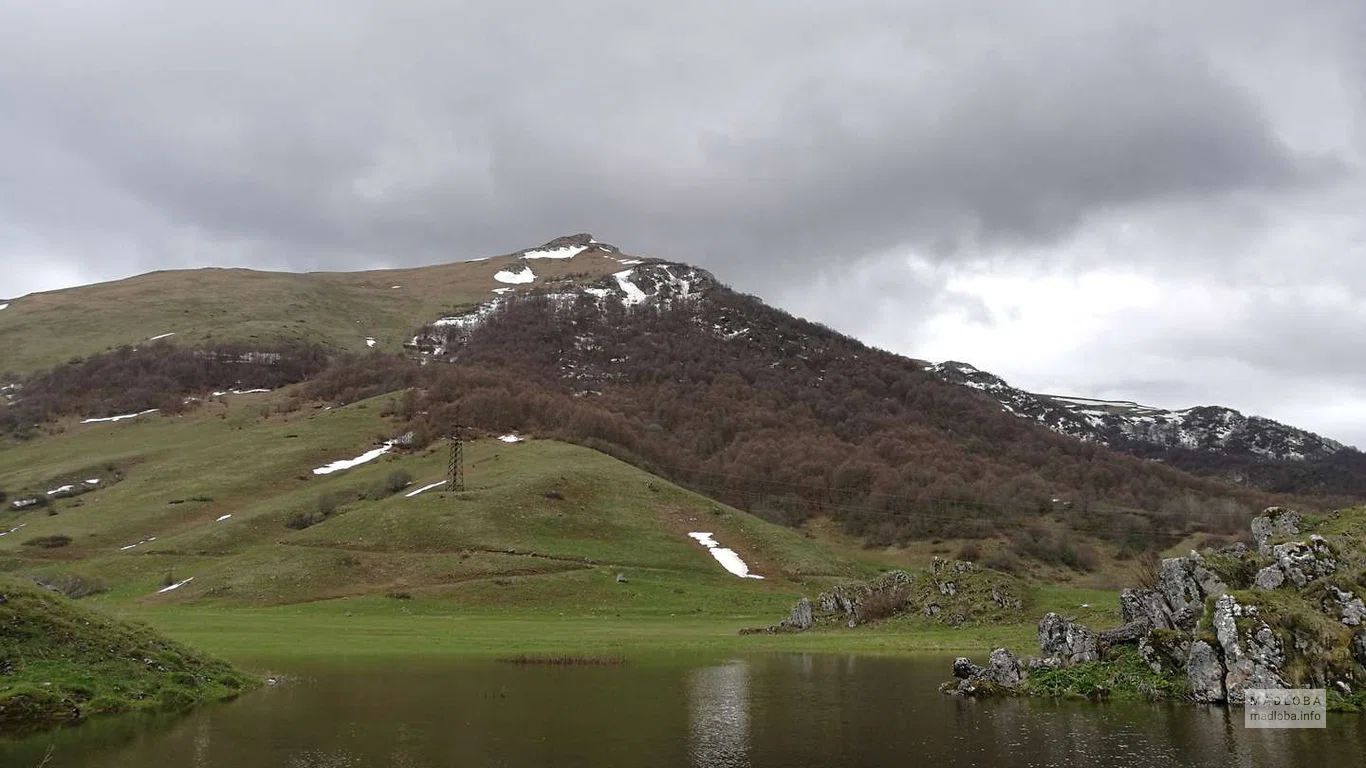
point(1158, 200)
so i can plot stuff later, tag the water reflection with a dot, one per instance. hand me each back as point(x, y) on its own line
point(764, 711)
point(719, 706)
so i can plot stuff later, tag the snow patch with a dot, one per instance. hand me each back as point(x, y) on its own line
point(566, 252)
point(369, 341)
point(342, 464)
point(224, 517)
point(511, 439)
point(423, 489)
point(726, 557)
point(93, 481)
point(241, 392)
point(4, 306)
point(162, 336)
point(12, 530)
point(630, 262)
point(394, 286)
point(503, 290)
point(63, 489)
point(633, 293)
point(175, 586)
point(520, 276)
point(120, 418)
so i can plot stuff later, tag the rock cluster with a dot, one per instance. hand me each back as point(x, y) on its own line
point(1245, 641)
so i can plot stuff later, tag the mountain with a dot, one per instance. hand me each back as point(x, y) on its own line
point(655, 362)
point(1205, 439)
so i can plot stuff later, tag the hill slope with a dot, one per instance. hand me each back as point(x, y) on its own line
point(225, 502)
point(339, 310)
point(62, 663)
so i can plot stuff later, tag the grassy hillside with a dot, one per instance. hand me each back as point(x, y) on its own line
point(201, 306)
point(63, 663)
point(542, 524)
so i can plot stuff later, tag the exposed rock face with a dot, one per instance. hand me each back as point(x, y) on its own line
point(1269, 578)
point(1253, 657)
point(1003, 670)
point(1185, 583)
point(1359, 647)
point(847, 599)
point(1205, 673)
point(1166, 651)
point(1125, 635)
point(801, 617)
point(1345, 606)
point(1069, 642)
point(1275, 522)
point(1303, 562)
point(1145, 605)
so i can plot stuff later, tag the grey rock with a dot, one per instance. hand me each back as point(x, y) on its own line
point(1145, 605)
point(1254, 657)
point(964, 669)
point(1128, 634)
point(1344, 606)
point(1185, 583)
point(1275, 522)
point(621, 578)
point(1205, 673)
point(1165, 654)
point(801, 617)
point(1050, 662)
point(1303, 562)
point(1069, 641)
point(1004, 669)
point(1269, 578)
point(1359, 647)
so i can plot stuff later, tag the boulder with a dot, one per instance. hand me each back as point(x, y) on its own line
point(1004, 669)
point(1344, 606)
point(964, 669)
point(1253, 656)
point(1127, 634)
point(1303, 562)
point(1068, 641)
point(1269, 578)
point(1205, 673)
point(1275, 522)
point(1145, 605)
point(801, 617)
point(1185, 582)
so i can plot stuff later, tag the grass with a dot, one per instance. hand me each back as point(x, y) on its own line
point(204, 306)
point(64, 663)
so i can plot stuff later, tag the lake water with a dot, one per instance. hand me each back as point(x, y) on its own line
point(771, 710)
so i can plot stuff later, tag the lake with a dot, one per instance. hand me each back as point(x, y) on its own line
point(762, 710)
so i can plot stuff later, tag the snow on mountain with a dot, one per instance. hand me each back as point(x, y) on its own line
point(1123, 424)
point(515, 276)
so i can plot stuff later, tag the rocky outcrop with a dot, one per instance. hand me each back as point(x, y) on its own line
point(1303, 562)
point(1003, 671)
point(1212, 644)
point(1269, 578)
point(1253, 656)
point(1275, 522)
point(1065, 640)
point(1345, 606)
point(1205, 673)
point(801, 617)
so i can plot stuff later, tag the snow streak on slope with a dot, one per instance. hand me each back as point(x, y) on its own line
point(726, 557)
point(343, 464)
point(633, 293)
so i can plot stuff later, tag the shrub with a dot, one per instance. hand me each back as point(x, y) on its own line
point(970, 551)
point(1149, 569)
point(49, 542)
point(882, 604)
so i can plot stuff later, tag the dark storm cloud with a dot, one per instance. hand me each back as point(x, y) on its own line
point(349, 134)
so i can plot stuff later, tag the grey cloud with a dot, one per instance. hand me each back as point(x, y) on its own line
point(348, 134)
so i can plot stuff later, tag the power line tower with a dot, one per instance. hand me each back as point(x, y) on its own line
point(456, 479)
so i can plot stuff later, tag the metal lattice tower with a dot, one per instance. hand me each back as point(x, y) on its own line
point(457, 465)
